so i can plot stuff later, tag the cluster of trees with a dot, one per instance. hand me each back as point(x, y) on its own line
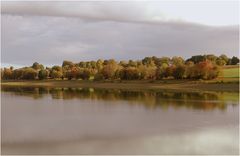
point(221, 60)
point(149, 68)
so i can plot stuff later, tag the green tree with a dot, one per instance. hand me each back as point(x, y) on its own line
point(224, 57)
point(177, 61)
point(29, 73)
point(57, 68)
point(43, 74)
point(37, 66)
point(165, 60)
point(147, 60)
point(220, 62)
point(93, 64)
point(179, 72)
point(234, 60)
point(67, 63)
point(82, 64)
point(211, 58)
point(196, 58)
point(157, 61)
point(54, 74)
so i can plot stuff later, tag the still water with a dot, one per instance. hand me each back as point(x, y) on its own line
point(101, 121)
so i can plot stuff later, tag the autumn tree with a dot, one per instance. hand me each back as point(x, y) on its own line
point(109, 69)
point(29, 73)
point(83, 73)
point(149, 68)
point(190, 69)
point(129, 73)
point(7, 74)
point(99, 64)
point(169, 70)
point(220, 62)
point(43, 74)
point(18, 74)
point(57, 72)
point(179, 72)
point(161, 71)
point(147, 71)
point(205, 70)
point(123, 63)
point(72, 72)
point(177, 61)
point(132, 63)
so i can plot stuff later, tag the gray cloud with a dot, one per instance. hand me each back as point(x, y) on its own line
point(110, 11)
point(53, 34)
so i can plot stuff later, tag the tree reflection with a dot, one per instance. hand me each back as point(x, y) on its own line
point(149, 98)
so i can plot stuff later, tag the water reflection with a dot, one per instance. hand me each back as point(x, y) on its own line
point(148, 98)
point(112, 121)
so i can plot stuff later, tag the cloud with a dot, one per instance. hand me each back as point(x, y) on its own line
point(111, 11)
point(48, 33)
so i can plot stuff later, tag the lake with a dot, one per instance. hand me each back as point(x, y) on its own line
point(113, 121)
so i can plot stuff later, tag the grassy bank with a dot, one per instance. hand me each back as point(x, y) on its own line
point(230, 72)
point(187, 85)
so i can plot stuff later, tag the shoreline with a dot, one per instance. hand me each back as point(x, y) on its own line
point(180, 85)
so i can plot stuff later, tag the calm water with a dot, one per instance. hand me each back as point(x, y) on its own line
point(98, 121)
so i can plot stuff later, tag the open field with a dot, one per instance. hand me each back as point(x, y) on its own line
point(187, 85)
point(230, 72)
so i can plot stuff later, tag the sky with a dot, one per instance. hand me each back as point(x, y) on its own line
point(49, 32)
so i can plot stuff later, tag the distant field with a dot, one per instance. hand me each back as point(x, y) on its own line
point(230, 72)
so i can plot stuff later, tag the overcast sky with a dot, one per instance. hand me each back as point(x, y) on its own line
point(50, 32)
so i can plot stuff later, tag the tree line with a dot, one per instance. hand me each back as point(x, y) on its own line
point(150, 68)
